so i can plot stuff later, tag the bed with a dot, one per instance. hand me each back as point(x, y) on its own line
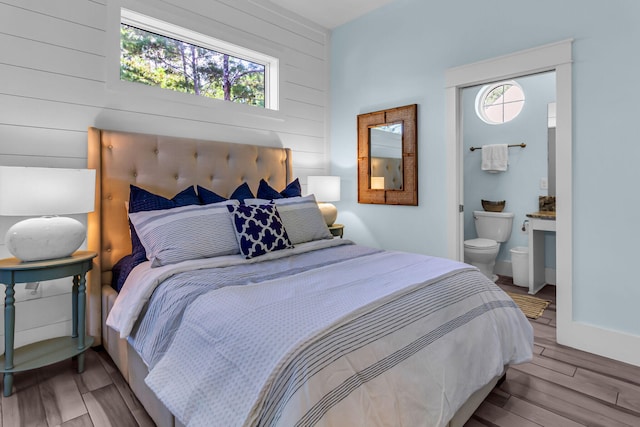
point(320, 332)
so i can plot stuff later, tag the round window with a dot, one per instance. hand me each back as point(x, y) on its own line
point(499, 103)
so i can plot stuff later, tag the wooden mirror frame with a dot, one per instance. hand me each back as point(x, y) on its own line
point(408, 115)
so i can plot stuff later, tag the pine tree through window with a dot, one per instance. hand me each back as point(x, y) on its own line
point(155, 59)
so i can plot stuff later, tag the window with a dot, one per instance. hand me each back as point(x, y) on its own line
point(500, 103)
point(160, 54)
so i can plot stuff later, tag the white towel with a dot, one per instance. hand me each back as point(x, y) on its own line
point(495, 157)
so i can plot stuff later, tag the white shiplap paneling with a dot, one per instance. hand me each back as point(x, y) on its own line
point(57, 68)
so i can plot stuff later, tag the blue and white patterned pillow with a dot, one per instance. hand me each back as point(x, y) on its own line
point(258, 229)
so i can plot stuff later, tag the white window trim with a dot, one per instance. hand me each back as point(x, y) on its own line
point(271, 64)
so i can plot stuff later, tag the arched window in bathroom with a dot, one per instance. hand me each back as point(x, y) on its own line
point(499, 103)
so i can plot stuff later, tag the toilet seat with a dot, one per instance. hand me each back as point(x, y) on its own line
point(481, 243)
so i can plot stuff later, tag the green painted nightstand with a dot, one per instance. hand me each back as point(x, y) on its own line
point(53, 350)
point(337, 230)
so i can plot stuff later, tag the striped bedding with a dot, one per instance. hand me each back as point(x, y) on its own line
point(340, 336)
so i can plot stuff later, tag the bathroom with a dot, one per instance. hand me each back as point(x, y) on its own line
point(530, 170)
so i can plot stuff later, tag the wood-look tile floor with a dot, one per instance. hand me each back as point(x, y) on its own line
point(561, 387)
point(57, 395)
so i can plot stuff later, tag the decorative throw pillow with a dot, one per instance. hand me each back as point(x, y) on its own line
point(242, 192)
point(293, 189)
point(120, 271)
point(301, 218)
point(184, 233)
point(258, 229)
point(265, 191)
point(142, 200)
point(207, 196)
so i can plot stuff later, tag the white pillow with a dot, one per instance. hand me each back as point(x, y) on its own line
point(184, 233)
point(300, 216)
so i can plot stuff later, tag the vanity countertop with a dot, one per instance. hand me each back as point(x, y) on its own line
point(543, 215)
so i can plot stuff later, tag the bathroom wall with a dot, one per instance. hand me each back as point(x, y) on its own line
point(520, 184)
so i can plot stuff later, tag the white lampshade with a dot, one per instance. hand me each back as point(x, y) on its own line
point(325, 189)
point(32, 191)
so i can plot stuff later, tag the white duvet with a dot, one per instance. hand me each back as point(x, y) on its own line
point(385, 339)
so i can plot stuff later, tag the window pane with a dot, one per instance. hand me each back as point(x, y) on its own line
point(514, 93)
point(495, 96)
point(157, 60)
point(494, 113)
point(512, 109)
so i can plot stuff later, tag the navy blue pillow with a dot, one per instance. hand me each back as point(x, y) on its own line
point(120, 271)
point(143, 200)
point(293, 189)
point(258, 229)
point(265, 191)
point(242, 192)
point(207, 196)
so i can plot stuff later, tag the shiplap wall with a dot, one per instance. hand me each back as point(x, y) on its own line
point(59, 75)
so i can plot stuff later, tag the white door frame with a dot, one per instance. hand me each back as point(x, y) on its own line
point(552, 57)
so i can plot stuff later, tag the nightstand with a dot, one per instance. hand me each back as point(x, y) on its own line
point(53, 350)
point(337, 230)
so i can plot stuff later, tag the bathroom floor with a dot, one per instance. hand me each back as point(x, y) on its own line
point(561, 386)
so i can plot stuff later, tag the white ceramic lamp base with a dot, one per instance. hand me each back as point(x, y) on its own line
point(329, 212)
point(51, 237)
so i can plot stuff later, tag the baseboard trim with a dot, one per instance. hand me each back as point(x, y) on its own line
point(604, 342)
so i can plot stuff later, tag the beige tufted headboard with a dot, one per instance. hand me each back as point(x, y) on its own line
point(163, 165)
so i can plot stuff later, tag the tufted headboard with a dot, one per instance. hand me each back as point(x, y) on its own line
point(164, 165)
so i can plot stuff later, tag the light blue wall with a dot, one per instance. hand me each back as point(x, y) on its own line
point(398, 55)
point(519, 185)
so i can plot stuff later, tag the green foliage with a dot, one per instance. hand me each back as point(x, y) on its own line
point(157, 60)
point(495, 94)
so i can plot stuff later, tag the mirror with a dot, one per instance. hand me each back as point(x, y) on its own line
point(387, 156)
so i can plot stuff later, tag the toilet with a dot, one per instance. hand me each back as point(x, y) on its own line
point(493, 228)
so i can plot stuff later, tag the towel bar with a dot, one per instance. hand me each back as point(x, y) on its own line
point(522, 145)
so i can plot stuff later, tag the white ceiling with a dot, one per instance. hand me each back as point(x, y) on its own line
point(331, 13)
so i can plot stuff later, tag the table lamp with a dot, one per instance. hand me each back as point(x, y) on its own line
point(326, 189)
point(32, 191)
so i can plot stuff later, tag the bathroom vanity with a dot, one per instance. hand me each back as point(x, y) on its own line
point(539, 223)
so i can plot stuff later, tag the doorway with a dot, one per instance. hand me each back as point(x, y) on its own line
point(520, 120)
point(553, 57)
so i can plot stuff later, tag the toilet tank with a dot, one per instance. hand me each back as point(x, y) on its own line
point(494, 225)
